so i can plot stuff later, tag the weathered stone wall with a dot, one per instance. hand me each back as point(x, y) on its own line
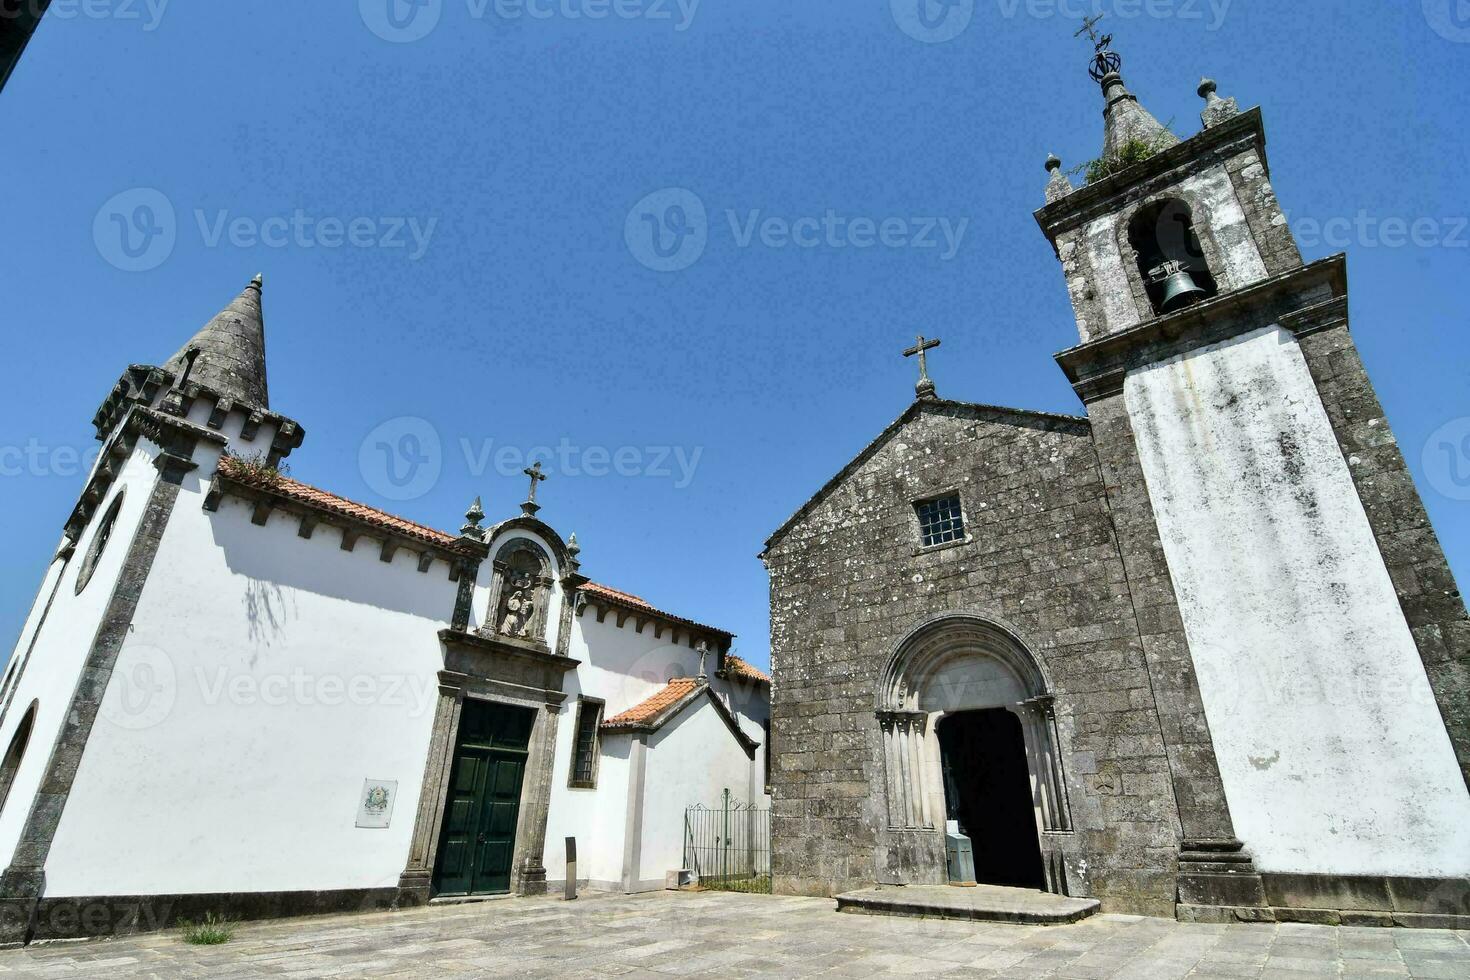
point(848, 581)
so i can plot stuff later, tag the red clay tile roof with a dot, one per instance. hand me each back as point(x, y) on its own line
point(608, 592)
point(740, 668)
point(627, 600)
point(250, 475)
point(666, 704)
point(645, 712)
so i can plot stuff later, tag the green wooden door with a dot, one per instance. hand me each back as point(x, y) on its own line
point(477, 843)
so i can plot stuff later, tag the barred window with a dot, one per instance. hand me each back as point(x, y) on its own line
point(584, 751)
point(766, 750)
point(940, 521)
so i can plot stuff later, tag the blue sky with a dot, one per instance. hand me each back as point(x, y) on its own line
point(448, 206)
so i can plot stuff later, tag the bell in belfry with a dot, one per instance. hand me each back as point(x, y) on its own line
point(1179, 286)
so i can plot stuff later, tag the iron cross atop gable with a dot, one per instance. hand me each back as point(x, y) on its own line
point(1089, 27)
point(925, 386)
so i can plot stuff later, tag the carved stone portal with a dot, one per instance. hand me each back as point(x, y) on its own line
point(954, 663)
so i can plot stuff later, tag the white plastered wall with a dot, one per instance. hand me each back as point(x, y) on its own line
point(1332, 749)
point(692, 760)
point(65, 638)
point(266, 676)
point(623, 667)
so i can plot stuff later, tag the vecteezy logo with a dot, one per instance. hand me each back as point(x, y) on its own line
point(1449, 18)
point(932, 21)
point(401, 21)
point(1446, 459)
point(142, 690)
point(136, 230)
point(402, 458)
point(667, 230)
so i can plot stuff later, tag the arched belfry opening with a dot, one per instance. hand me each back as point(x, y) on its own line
point(1170, 259)
point(970, 742)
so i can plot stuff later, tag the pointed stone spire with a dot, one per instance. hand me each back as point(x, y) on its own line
point(228, 353)
point(1126, 121)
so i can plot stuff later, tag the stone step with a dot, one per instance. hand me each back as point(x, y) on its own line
point(985, 903)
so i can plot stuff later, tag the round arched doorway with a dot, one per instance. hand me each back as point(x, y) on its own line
point(970, 745)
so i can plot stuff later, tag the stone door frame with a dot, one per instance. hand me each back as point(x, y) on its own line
point(912, 759)
point(501, 674)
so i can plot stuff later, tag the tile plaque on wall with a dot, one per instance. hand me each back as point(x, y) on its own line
point(375, 806)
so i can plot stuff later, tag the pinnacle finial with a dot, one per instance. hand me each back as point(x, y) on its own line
point(1217, 110)
point(1058, 186)
point(259, 280)
point(573, 548)
point(473, 517)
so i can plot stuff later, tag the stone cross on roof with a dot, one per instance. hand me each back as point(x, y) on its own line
point(925, 387)
point(530, 507)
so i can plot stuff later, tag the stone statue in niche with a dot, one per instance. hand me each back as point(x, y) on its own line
point(520, 608)
point(522, 591)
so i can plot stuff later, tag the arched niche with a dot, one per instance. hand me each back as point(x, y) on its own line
point(520, 591)
point(1162, 236)
point(953, 663)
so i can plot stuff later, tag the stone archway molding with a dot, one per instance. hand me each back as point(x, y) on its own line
point(939, 640)
point(959, 661)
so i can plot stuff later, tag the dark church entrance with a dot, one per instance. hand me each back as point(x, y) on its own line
point(987, 788)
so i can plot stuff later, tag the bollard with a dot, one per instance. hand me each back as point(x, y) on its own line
point(571, 890)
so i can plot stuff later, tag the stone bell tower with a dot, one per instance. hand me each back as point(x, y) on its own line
point(1307, 646)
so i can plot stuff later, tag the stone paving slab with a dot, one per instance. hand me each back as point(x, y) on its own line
point(713, 934)
point(981, 903)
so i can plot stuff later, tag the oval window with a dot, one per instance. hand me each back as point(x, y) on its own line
point(99, 543)
point(11, 763)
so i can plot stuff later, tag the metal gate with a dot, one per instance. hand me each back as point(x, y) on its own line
point(728, 847)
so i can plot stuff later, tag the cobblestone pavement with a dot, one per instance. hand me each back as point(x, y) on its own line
point(723, 935)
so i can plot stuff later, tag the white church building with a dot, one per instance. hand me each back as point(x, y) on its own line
point(241, 694)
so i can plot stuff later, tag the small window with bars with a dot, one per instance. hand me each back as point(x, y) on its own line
point(584, 751)
point(940, 520)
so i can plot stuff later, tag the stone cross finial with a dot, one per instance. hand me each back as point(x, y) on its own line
point(530, 507)
point(925, 387)
point(703, 648)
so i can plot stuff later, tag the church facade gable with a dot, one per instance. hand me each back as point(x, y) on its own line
point(857, 789)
